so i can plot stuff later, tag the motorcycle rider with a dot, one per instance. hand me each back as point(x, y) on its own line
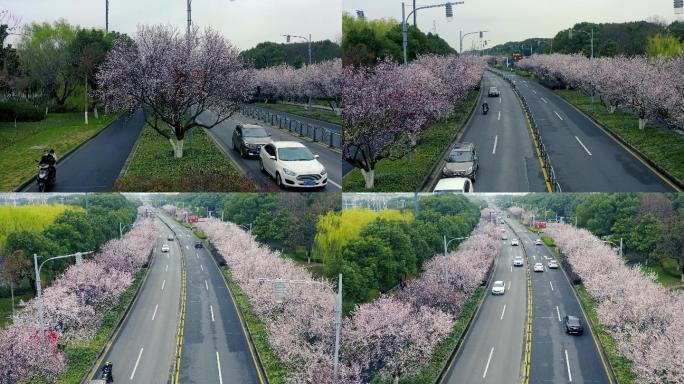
point(107, 372)
point(50, 159)
point(485, 107)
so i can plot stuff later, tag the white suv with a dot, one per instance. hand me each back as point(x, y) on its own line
point(292, 164)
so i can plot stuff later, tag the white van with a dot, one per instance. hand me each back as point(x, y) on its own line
point(454, 185)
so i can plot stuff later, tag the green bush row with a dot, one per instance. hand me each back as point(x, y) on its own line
point(20, 111)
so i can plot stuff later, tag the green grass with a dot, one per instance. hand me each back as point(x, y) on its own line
point(398, 175)
point(276, 370)
point(200, 234)
point(442, 353)
point(621, 365)
point(6, 308)
point(656, 143)
point(315, 113)
point(203, 167)
point(20, 146)
point(81, 356)
point(667, 272)
point(548, 241)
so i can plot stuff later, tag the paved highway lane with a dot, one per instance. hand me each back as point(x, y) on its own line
point(493, 349)
point(332, 161)
point(585, 158)
point(215, 348)
point(95, 166)
point(144, 349)
point(556, 356)
point(508, 162)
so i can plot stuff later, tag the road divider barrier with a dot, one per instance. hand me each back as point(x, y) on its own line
point(316, 132)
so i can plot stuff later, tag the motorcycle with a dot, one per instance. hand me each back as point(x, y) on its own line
point(107, 376)
point(485, 109)
point(46, 177)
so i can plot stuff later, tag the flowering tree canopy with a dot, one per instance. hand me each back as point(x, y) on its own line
point(177, 78)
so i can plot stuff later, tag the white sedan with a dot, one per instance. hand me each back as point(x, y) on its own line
point(538, 267)
point(515, 242)
point(538, 242)
point(292, 164)
point(498, 288)
point(165, 248)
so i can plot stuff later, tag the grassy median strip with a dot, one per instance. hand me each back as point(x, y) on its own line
point(395, 175)
point(21, 145)
point(315, 113)
point(275, 369)
point(656, 143)
point(81, 355)
point(203, 167)
point(621, 365)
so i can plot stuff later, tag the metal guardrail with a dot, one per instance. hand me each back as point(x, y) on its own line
point(546, 159)
point(316, 132)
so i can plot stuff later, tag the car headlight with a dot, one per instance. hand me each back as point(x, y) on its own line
point(289, 173)
point(447, 172)
point(324, 172)
point(469, 171)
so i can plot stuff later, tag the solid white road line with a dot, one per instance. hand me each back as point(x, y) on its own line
point(155, 311)
point(544, 100)
point(496, 139)
point(211, 308)
point(136, 364)
point(567, 362)
point(551, 285)
point(488, 360)
point(206, 285)
point(582, 144)
point(559, 116)
point(499, 115)
point(218, 363)
point(558, 313)
point(334, 183)
point(163, 283)
point(502, 312)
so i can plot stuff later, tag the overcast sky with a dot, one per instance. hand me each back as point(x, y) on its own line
point(244, 22)
point(515, 20)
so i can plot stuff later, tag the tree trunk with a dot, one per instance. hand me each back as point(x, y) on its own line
point(369, 178)
point(177, 146)
point(642, 123)
point(97, 116)
point(611, 109)
point(85, 100)
point(12, 293)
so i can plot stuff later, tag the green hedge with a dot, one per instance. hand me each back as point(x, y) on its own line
point(81, 356)
point(21, 111)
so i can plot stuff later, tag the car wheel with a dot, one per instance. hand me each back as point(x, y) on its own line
point(234, 146)
point(261, 166)
point(279, 181)
point(242, 152)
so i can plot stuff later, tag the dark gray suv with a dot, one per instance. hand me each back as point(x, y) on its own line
point(249, 138)
point(462, 161)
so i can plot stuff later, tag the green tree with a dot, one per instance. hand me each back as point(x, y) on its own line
point(664, 46)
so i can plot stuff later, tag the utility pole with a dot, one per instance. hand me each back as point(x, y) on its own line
point(106, 16)
point(414, 14)
point(188, 37)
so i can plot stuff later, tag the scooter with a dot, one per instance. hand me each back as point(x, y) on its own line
point(46, 177)
point(107, 376)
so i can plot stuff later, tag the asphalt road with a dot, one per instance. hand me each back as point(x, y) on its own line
point(508, 162)
point(556, 356)
point(493, 349)
point(332, 161)
point(144, 349)
point(95, 166)
point(215, 348)
point(585, 158)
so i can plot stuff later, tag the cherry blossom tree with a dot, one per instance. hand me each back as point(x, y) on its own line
point(176, 78)
point(24, 356)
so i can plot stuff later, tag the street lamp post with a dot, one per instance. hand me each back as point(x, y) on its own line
point(106, 16)
point(446, 253)
point(404, 20)
point(38, 267)
point(462, 36)
point(280, 292)
point(591, 36)
point(122, 227)
point(288, 37)
point(613, 243)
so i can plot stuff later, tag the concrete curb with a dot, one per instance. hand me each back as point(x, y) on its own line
point(241, 170)
point(32, 179)
point(432, 177)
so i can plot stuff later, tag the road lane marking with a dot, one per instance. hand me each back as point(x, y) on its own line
point(334, 183)
point(167, 268)
point(211, 308)
point(155, 311)
point(533, 91)
point(163, 283)
point(187, 247)
point(202, 267)
point(551, 285)
point(218, 363)
point(544, 100)
point(206, 285)
point(534, 257)
point(567, 362)
point(509, 285)
point(559, 116)
point(499, 115)
point(558, 313)
point(511, 268)
point(502, 312)
point(488, 360)
point(499, 100)
point(582, 144)
point(197, 255)
point(496, 139)
point(136, 364)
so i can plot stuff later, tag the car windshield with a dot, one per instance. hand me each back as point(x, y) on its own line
point(254, 132)
point(573, 321)
point(460, 156)
point(295, 154)
point(498, 284)
point(493, 89)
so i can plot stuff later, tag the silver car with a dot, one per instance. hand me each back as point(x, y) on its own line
point(498, 288)
point(462, 161)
